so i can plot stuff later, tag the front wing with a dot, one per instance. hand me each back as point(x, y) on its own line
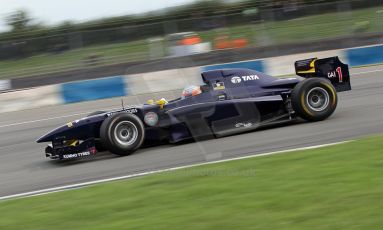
point(58, 150)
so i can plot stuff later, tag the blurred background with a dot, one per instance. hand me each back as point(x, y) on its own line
point(110, 45)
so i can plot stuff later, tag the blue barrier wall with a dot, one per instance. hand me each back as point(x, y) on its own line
point(93, 89)
point(254, 65)
point(365, 55)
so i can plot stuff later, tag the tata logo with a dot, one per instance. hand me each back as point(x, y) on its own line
point(250, 78)
point(244, 78)
point(236, 80)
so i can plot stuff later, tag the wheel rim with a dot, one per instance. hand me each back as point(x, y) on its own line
point(318, 99)
point(125, 133)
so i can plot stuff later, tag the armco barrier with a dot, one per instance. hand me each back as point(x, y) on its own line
point(365, 55)
point(93, 89)
point(254, 64)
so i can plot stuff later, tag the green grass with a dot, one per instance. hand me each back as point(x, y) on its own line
point(46, 63)
point(301, 29)
point(337, 187)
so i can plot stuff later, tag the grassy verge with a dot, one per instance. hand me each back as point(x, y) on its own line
point(301, 29)
point(337, 187)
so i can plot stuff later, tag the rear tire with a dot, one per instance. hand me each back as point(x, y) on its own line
point(122, 133)
point(314, 99)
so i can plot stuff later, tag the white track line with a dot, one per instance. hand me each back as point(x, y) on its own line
point(370, 71)
point(49, 118)
point(39, 120)
point(84, 184)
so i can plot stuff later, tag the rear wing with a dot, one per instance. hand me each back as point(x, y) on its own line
point(331, 68)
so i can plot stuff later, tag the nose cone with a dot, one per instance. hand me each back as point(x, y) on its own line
point(78, 129)
point(45, 138)
point(52, 134)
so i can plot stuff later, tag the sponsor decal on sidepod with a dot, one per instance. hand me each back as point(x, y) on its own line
point(237, 79)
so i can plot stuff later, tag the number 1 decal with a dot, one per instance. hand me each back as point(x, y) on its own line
point(339, 71)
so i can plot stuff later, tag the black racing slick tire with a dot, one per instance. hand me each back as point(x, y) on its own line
point(314, 99)
point(122, 133)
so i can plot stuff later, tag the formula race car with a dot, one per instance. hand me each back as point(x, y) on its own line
point(230, 101)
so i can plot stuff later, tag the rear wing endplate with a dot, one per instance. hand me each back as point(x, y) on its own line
point(331, 68)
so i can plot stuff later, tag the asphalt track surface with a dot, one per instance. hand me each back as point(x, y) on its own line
point(24, 168)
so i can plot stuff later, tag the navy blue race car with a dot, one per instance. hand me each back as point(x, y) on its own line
point(230, 101)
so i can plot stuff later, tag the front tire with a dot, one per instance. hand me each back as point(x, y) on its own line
point(122, 133)
point(314, 99)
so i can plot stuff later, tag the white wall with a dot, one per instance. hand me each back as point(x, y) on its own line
point(162, 80)
point(30, 98)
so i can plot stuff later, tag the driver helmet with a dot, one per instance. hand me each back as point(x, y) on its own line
point(190, 91)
